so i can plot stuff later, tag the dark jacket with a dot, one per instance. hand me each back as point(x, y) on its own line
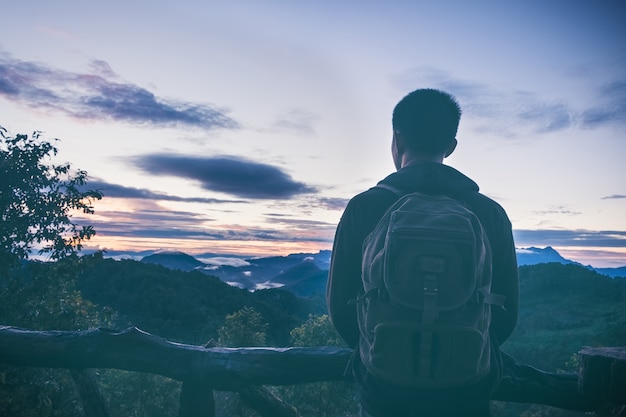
point(365, 210)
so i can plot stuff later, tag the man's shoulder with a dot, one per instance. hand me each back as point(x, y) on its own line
point(369, 205)
point(485, 203)
point(491, 214)
point(373, 193)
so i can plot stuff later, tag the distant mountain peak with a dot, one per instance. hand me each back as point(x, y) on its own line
point(173, 260)
point(306, 273)
point(534, 255)
point(169, 252)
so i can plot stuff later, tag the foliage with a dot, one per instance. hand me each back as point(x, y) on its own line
point(316, 331)
point(562, 309)
point(37, 199)
point(139, 394)
point(323, 399)
point(187, 307)
point(36, 392)
point(244, 327)
point(43, 296)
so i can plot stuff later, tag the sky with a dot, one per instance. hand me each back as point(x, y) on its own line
point(244, 127)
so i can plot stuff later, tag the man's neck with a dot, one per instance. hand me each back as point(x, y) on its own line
point(418, 158)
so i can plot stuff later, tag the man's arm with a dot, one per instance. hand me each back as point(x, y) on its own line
point(505, 282)
point(344, 279)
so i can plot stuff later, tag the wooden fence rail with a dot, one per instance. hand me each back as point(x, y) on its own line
point(246, 370)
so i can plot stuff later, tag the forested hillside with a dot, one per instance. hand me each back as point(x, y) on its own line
point(563, 307)
point(185, 306)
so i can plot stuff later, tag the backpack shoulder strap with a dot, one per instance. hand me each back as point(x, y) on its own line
point(390, 188)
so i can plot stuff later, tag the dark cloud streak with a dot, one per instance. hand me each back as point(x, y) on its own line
point(582, 238)
point(156, 230)
point(120, 191)
point(100, 96)
point(230, 175)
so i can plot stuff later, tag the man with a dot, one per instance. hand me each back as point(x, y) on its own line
point(425, 124)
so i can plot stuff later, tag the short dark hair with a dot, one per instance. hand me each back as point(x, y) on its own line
point(428, 119)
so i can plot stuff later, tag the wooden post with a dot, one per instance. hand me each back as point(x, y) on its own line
point(196, 399)
point(602, 373)
point(89, 391)
point(264, 402)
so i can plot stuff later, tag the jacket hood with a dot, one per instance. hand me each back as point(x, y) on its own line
point(430, 177)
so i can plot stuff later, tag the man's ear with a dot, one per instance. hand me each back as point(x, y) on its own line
point(399, 142)
point(451, 148)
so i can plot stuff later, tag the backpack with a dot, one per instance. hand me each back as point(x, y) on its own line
point(425, 313)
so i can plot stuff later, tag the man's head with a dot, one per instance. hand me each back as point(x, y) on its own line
point(425, 123)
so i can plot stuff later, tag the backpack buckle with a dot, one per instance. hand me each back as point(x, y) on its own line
point(430, 285)
point(430, 299)
point(378, 293)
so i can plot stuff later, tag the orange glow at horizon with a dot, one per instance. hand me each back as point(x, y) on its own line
point(598, 257)
point(191, 246)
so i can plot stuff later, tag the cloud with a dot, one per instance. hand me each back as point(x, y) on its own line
point(299, 121)
point(100, 95)
point(164, 226)
point(614, 196)
point(611, 107)
point(223, 260)
point(226, 174)
point(124, 223)
point(333, 203)
point(560, 210)
point(120, 191)
point(516, 113)
point(147, 220)
point(285, 219)
point(582, 238)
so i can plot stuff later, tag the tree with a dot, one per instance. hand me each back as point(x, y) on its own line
point(37, 200)
point(316, 331)
point(244, 327)
point(320, 399)
point(42, 295)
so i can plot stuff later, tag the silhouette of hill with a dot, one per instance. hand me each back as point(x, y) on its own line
point(186, 306)
point(173, 260)
point(304, 280)
point(255, 273)
point(534, 256)
point(613, 272)
point(312, 286)
point(305, 274)
point(297, 273)
point(564, 307)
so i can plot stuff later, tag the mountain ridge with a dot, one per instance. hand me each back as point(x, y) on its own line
point(306, 273)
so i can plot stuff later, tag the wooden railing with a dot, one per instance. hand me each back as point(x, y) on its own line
point(601, 380)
